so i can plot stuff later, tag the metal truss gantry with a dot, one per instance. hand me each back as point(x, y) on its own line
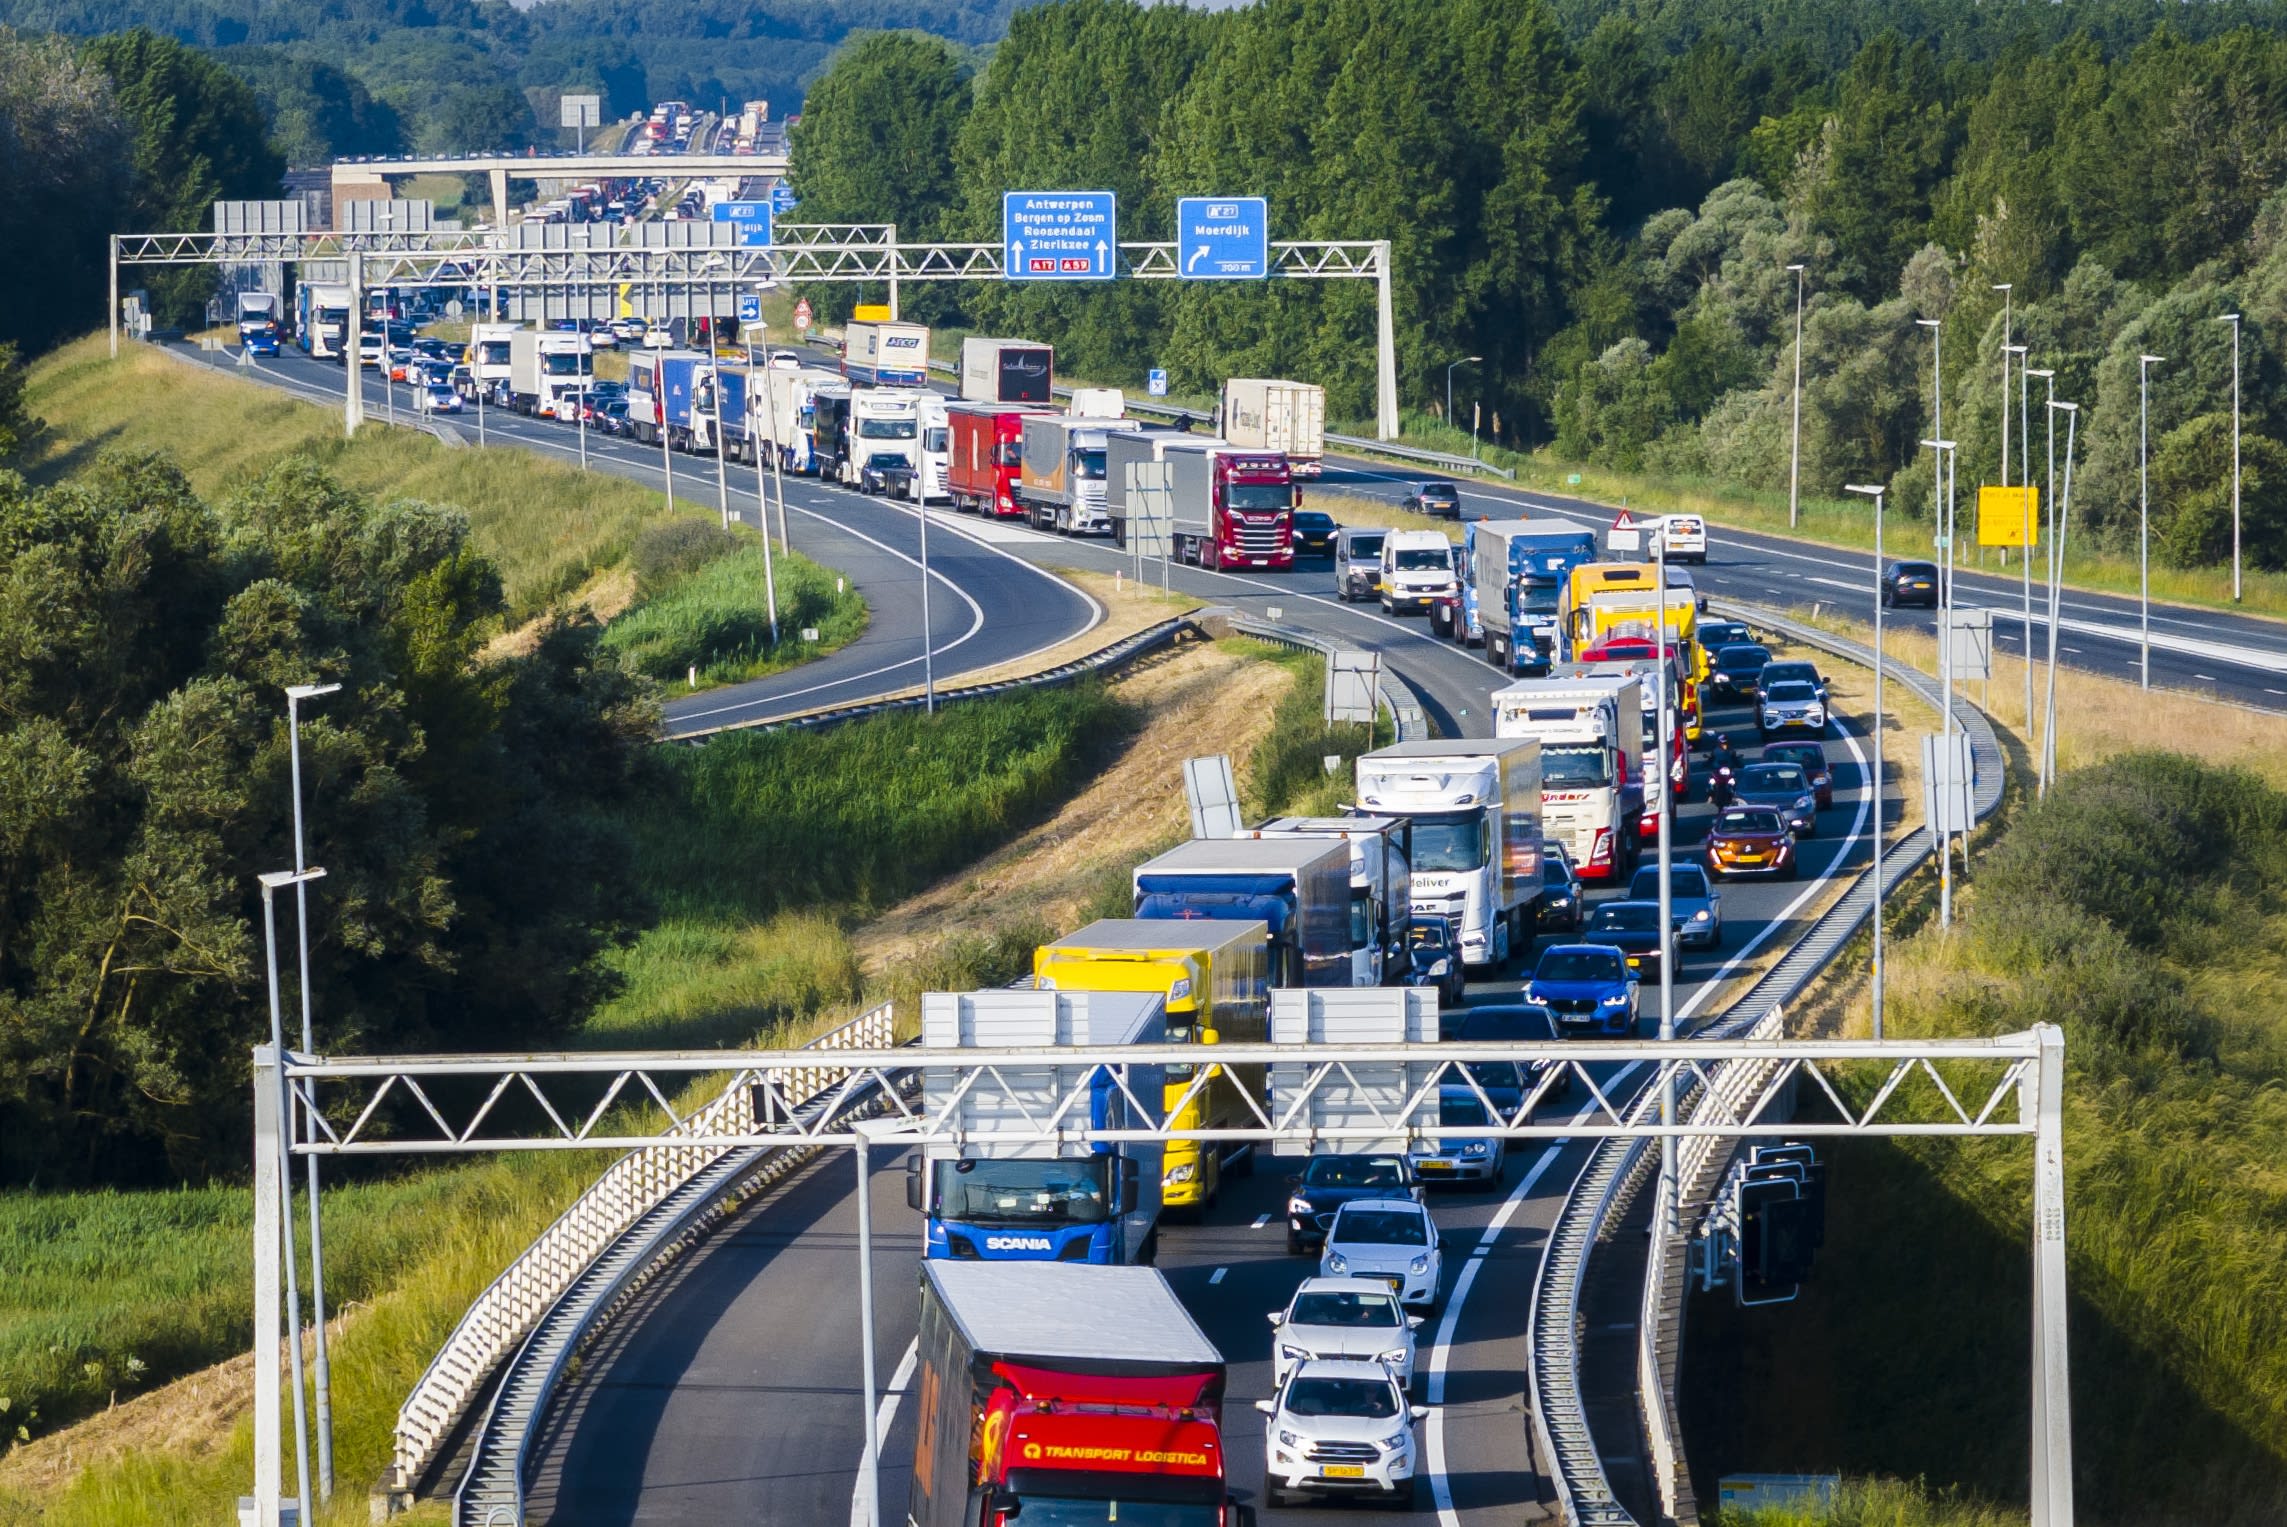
point(826, 253)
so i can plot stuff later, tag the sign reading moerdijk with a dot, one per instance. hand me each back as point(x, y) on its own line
point(1060, 235)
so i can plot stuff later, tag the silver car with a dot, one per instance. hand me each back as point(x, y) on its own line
point(1357, 562)
point(1343, 1317)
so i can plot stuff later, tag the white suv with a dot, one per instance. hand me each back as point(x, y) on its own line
point(1344, 1318)
point(1687, 537)
point(1391, 1240)
point(1339, 1427)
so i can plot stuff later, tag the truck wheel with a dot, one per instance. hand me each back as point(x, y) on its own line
point(1211, 555)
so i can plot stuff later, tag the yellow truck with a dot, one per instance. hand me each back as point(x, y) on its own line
point(1216, 979)
point(1608, 601)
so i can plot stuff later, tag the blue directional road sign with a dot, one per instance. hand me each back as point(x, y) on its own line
point(1060, 235)
point(1157, 382)
point(750, 218)
point(1222, 238)
point(750, 308)
point(782, 198)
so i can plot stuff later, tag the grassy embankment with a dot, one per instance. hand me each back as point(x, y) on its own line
point(556, 534)
point(2143, 909)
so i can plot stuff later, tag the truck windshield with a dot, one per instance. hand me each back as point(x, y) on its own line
point(493, 352)
point(560, 364)
point(1067, 1511)
point(1088, 465)
point(1539, 599)
point(1443, 845)
point(1008, 453)
point(934, 439)
point(886, 429)
point(1025, 1192)
point(1258, 496)
point(1582, 766)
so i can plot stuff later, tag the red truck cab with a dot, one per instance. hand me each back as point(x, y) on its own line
point(1233, 507)
point(985, 450)
point(1053, 1392)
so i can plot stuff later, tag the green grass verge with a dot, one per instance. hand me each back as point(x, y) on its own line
point(758, 854)
point(2142, 908)
point(548, 527)
point(717, 620)
point(1287, 773)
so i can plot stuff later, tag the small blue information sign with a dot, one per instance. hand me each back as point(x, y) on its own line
point(750, 308)
point(750, 218)
point(782, 198)
point(1157, 382)
point(1222, 238)
point(1060, 235)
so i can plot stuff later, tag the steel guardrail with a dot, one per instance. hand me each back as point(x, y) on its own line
point(1407, 719)
point(499, 1320)
point(1583, 1490)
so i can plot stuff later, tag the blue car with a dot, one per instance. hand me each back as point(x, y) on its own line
point(1584, 989)
point(1460, 1158)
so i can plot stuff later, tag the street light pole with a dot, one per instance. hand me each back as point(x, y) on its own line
point(2032, 731)
point(2008, 315)
point(2144, 365)
point(1942, 830)
point(1875, 492)
point(2233, 320)
point(323, 1371)
point(270, 884)
point(1466, 360)
point(2024, 552)
point(2071, 412)
point(1795, 457)
point(1658, 536)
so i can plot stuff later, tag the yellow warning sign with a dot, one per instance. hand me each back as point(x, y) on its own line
point(2009, 516)
point(871, 312)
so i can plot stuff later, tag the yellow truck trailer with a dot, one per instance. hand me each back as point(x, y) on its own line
point(1216, 979)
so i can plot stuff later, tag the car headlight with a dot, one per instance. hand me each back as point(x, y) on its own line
point(1804, 803)
point(1441, 967)
point(1398, 1356)
point(1474, 1148)
point(1396, 1442)
point(1561, 899)
point(1700, 916)
point(1292, 1354)
point(1289, 1439)
point(1337, 1264)
point(1616, 999)
point(1419, 1264)
point(1187, 1172)
point(1299, 1206)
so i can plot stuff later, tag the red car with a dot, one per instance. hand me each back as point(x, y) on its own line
point(1813, 759)
point(1749, 840)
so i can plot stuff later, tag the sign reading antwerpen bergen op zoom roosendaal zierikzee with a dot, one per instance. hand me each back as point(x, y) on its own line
point(1222, 238)
point(1060, 235)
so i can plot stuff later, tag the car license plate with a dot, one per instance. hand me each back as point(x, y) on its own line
point(1635, 959)
point(1750, 858)
point(1432, 1165)
point(1396, 1283)
point(1342, 1470)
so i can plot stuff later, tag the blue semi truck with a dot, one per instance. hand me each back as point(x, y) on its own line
point(1512, 572)
point(1078, 1202)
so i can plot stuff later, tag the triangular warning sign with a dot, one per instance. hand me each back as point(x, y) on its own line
point(1626, 521)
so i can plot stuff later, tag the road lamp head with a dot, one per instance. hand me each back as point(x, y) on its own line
point(1928, 323)
point(2149, 360)
point(2065, 407)
point(2003, 286)
point(2035, 371)
point(1939, 445)
point(300, 692)
point(2014, 349)
point(1798, 267)
point(1872, 490)
point(276, 880)
point(2232, 318)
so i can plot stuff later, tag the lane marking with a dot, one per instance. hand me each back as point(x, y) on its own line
point(1217, 1275)
point(1264, 1219)
point(884, 1414)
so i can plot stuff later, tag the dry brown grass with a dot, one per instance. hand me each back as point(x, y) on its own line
point(1201, 700)
point(1349, 509)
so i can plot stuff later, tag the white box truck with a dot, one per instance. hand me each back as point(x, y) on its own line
point(1475, 809)
point(1061, 482)
point(885, 354)
point(1591, 732)
point(548, 370)
point(1265, 415)
point(1040, 1201)
point(1006, 371)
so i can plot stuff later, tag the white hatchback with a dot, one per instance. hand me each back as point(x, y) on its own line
point(1391, 1240)
point(1340, 1427)
point(1347, 1318)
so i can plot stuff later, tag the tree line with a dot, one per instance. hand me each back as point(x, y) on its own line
point(1601, 200)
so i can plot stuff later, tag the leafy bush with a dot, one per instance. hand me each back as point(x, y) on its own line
point(668, 551)
point(717, 618)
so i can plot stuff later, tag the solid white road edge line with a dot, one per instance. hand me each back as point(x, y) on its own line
point(884, 1413)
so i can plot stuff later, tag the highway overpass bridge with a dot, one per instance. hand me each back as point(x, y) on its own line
point(371, 179)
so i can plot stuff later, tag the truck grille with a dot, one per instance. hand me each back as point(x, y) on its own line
point(1259, 543)
point(1343, 1452)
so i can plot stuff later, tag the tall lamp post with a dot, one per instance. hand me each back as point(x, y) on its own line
point(2071, 411)
point(1946, 454)
point(1658, 538)
point(1875, 492)
point(2024, 552)
point(1466, 360)
point(2008, 318)
point(2041, 767)
point(2233, 320)
point(270, 885)
point(2144, 364)
point(1795, 454)
point(295, 695)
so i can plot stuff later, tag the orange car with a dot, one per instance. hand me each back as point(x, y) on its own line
point(1749, 840)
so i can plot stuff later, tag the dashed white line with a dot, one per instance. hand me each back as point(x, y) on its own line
point(1264, 1219)
point(1218, 1274)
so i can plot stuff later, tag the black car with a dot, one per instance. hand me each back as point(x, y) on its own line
point(1329, 1182)
point(1506, 1082)
point(886, 473)
point(609, 415)
point(1314, 533)
point(1910, 583)
point(1716, 634)
point(1439, 499)
point(1435, 951)
point(1562, 900)
point(1632, 927)
point(1738, 671)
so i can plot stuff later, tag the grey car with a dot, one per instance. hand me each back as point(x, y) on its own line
point(1693, 901)
point(1357, 562)
point(1786, 789)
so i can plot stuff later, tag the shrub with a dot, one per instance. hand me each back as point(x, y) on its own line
point(668, 551)
point(717, 619)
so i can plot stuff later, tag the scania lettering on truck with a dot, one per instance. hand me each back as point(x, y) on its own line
point(1046, 1394)
point(1215, 977)
point(1512, 580)
point(1007, 371)
point(885, 354)
point(985, 450)
point(548, 370)
point(1074, 1202)
point(1381, 887)
point(1591, 732)
point(659, 392)
point(487, 362)
point(1417, 570)
point(1299, 887)
point(1287, 417)
point(1233, 507)
point(1475, 809)
point(1061, 481)
point(321, 318)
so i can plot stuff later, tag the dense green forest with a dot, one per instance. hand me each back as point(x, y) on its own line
point(1602, 200)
